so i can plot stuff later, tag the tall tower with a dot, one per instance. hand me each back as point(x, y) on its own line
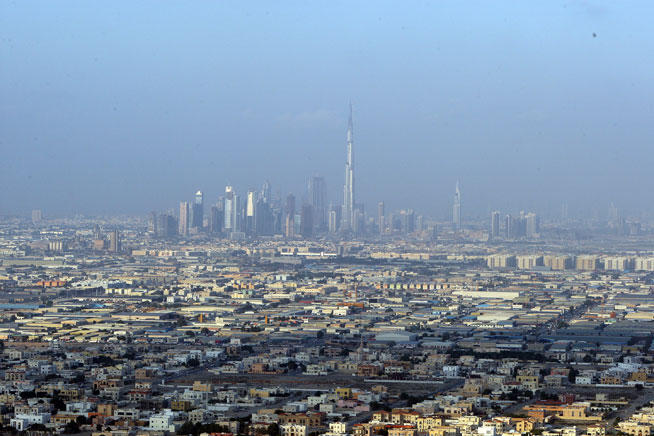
point(290, 215)
point(318, 199)
point(183, 218)
point(381, 217)
point(306, 221)
point(456, 210)
point(495, 224)
point(198, 211)
point(229, 209)
point(266, 192)
point(250, 212)
point(114, 241)
point(348, 195)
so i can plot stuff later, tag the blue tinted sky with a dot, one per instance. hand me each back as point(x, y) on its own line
point(126, 107)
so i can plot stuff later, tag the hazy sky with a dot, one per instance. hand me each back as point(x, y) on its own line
point(131, 106)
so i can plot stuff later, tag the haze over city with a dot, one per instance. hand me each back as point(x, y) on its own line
point(123, 108)
point(293, 218)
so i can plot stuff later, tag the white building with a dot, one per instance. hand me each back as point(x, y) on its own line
point(501, 261)
point(450, 371)
point(486, 430)
point(293, 430)
point(163, 421)
point(23, 420)
point(644, 264)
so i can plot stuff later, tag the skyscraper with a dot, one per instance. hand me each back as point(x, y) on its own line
point(335, 212)
point(495, 224)
point(381, 217)
point(408, 221)
point(183, 218)
point(198, 211)
point(229, 209)
point(216, 220)
point(290, 215)
point(318, 199)
point(152, 224)
point(250, 212)
point(266, 192)
point(456, 212)
point(348, 195)
point(36, 216)
point(532, 226)
point(306, 226)
point(114, 241)
point(166, 225)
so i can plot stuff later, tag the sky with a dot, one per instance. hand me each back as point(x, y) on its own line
point(125, 107)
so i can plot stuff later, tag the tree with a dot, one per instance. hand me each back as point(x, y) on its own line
point(572, 375)
point(71, 428)
point(186, 428)
point(273, 429)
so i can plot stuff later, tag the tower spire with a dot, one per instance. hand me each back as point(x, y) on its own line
point(456, 210)
point(348, 189)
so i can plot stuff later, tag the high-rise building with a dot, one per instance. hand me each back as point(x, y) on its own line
point(495, 224)
point(381, 217)
point(408, 221)
point(420, 223)
point(266, 192)
point(306, 221)
point(290, 215)
point(358, 219)
point(152, 225)
point(508, 226)
point(114, 241)
point(532, 225)
point(183, 218)
point(456, 210)
point(264, 221)
point(348, 194)
point(229, 209)
point(97, 232)
point(335, 211)
point(198, 211)
point(216, 220)
point(250, 216)
point(318, 199)
point(36, 216)
point(613, 214)
point(166, 225)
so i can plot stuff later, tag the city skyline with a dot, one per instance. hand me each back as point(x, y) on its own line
point(316, 196)
point(551, 117)
point(193, 240)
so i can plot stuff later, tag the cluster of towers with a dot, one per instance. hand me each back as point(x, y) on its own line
point(259, 213)
point(526, 225)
